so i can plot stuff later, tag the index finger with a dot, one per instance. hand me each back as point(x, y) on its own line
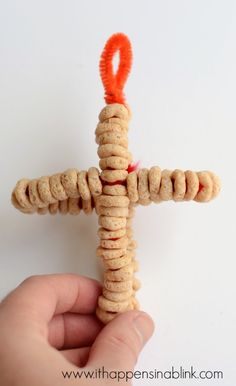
point(42, 297)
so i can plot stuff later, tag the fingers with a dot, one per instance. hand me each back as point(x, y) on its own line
point(38, 298)
point(77, 356)
point(120, 342)
point(70, 330)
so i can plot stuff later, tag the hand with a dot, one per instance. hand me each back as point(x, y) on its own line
point(48, 326)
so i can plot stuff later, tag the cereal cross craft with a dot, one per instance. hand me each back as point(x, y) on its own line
point(115, 190)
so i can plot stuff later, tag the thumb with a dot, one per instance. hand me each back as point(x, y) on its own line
point(120, 342)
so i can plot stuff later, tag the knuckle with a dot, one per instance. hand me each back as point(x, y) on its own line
point(127, 345)
point(31, 280)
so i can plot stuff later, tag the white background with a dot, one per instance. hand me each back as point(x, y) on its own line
point(182, 93)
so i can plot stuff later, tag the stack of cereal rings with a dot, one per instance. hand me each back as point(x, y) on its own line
point(117, 248)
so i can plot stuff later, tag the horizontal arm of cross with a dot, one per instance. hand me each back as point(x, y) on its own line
point(67, 192)
point(73, 191)
point(156, 185)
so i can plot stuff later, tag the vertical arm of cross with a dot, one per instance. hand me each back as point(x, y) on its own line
point(116, 247)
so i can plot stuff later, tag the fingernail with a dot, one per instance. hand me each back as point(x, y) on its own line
point(144, 326)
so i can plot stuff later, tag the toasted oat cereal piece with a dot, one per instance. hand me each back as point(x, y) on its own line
point(113, 201)
point(73, 206)
point(107, 234)
point(114, 110)
point(111, 125)
point(118, 262)
point(114, 175)
point(216, 184)
point(105, 316)
point(129, 232)
point(112, 223)
point(154, 177)
point(135, 265)
point(115, 244)
point(87, 206)
point(63, 206)
point(69, 181)
point(144, 201)
point(132, 186)
point(45, 190)
point(178, 180)
point(192, 185)
point(113, 162)
point(112, 211)
point(110, 253)
point(135, 303)
point(132, 244)
point(42, 211)
point(94, 182)
point(120, 274)
point(34, 196)
point(143, 190)
point(205, 180)
point(131, 211)
point(115, 190)
point(83, 185)
point(53, 208)
point(109, 305)
point(117, 296)
point(166, 188)
point(56, 187)
point(116, 138)
point(136, 284)
point(118, 286)
point(110, 150)
point(20, 194)
point(124, 124)
point(129, 222)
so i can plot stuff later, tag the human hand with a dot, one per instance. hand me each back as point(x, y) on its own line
point(48, 326)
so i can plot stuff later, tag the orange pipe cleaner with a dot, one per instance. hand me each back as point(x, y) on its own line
point(114, 83)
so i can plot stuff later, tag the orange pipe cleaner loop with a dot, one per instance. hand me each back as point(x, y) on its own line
point(114, 83)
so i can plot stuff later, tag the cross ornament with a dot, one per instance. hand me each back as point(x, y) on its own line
point(115, 189)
